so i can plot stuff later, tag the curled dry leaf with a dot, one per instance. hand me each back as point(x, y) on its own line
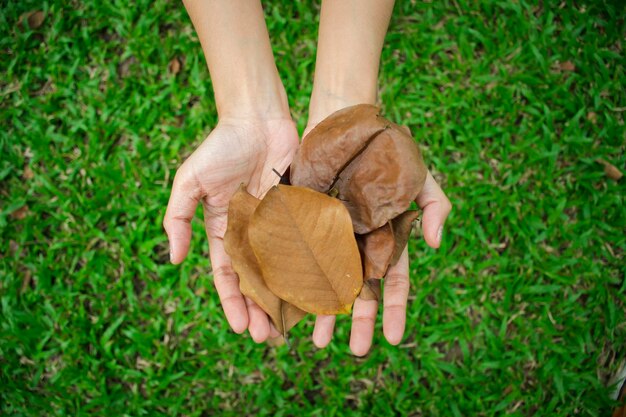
point(382, 247)
point(610, 170)
point(333, 144)
point(20, 213)
point(383, 180)
point(401, 228)
point(305, 246)
point(245, 264)
point(376, 249)
point(371, 164)
point(34, 19)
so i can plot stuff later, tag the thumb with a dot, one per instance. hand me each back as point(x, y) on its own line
point(180, 211)
point(436, 207)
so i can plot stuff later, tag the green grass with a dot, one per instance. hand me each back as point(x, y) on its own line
point(521, 312)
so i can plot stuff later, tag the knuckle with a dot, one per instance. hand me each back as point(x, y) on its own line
point(395, 308)
point(224, 272)
point(224, 277)
point(364, 320)
point(397, 281)
point(182, 176)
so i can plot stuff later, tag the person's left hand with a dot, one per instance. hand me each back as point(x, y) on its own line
point(435, 209)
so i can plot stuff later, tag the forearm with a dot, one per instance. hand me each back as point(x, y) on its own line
point(237, 48)
point(351, 36)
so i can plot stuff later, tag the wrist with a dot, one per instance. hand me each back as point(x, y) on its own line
point(257, 96)
point(350, 41)
point(238, 53)
point(328, 98)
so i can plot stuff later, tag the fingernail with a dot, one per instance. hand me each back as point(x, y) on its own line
point(439, 234)
point(171, 255)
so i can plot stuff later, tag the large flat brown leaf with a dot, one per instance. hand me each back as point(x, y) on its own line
point(306, 249)
point(245, 264)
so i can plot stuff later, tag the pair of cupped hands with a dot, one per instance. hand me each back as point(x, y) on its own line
point(250, 150)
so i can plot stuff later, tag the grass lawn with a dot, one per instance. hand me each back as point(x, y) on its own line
point(521, 312)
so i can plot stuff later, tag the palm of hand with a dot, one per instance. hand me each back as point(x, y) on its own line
point(233, 154)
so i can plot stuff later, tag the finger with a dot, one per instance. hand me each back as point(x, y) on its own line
point(436, 207)
point(180, 211)
point(323, 330)
point(258, 323)
point(363, 320)
point(227, 284)
point(396, 293)
point(273, 331)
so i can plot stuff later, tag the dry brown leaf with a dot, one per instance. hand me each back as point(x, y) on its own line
point(371, 164)
point(592, 117)
point(567, 66)
point(333, 144)
point(610, 170)
point(26, 281)
point(401, 227)
point(376, 249)
point(276, 341)
point(305, 246)
point(383, 247)
point(20, 213)
point(174, 66)
point(245, 264)
point(28, 173)
point(383, 180)
point(34, 18)
point(370, 290)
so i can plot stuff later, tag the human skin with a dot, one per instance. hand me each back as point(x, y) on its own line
point(254, 136)
point(351, 36)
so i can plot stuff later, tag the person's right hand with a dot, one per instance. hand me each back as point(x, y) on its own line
point(237, 151)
